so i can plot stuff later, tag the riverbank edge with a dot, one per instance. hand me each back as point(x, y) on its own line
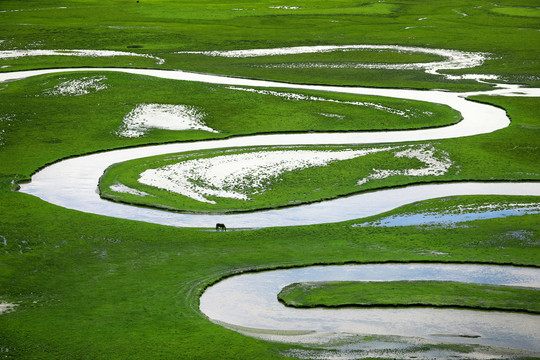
point(73, 68)
point(366, 191)
point(201, 287)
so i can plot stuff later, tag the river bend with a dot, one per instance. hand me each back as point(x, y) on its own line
point(72, 183)
point(250, 300)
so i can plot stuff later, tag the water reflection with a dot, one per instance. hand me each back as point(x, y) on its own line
point(250, 300)
point(447, 219)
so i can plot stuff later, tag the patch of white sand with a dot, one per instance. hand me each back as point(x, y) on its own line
point(78, 87)
point(298, 97)
point(436, 164)
point(162, 116)
point(6, 307)
point(14, 54)
point(121, 188)
point(234, 176)
point(240, 175)
point(454, 59)
point(477, 77)
point(341, 117)
point(285, 7)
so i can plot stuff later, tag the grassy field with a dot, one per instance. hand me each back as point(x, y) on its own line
point(470, 158)
point(94, 287)
point(163, 28)
point(91, 286)
point(439, 294)
point(91, 122)
point(336, 179)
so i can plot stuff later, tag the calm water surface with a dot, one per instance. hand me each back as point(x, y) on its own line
point(250, 300)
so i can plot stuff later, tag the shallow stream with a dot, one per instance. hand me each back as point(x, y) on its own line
point(250, 300)
point(72, 183)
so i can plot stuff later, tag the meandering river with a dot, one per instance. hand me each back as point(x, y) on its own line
point(72, 183)
point(250, 300)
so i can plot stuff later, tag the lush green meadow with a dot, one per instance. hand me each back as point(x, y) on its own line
point(95, 287)
point(109, 288)
point(67, 125)
point(163, 28)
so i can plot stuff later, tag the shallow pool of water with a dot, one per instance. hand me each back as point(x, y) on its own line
point(442, 218)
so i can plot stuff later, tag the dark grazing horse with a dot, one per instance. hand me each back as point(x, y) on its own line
point(220, 227)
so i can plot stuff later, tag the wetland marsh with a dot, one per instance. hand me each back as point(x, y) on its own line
point(133, 80)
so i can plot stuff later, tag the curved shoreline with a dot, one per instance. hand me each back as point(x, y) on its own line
point(45, 183)
point(80, 175)
point(412, 306)
point(350, 294)
point(250, 301)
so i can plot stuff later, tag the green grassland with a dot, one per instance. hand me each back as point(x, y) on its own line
point(472, 159)
point(518, 11)
point(109, 288)
point(94, 287)
point(336, 179)
point(52, 124)
point(163, 28)
point(410, 293)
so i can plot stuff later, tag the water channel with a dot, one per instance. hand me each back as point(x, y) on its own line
point(72, 183)
point(249, 300)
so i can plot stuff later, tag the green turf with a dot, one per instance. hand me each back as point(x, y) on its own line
point(410, 293)
point(518, 11)
point(103, 285)
point(336, 179)
point(91, 122)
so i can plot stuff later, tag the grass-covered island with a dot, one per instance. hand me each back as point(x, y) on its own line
point(172, 182)
point(441, 294)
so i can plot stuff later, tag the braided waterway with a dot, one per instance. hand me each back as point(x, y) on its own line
point(72, 183)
